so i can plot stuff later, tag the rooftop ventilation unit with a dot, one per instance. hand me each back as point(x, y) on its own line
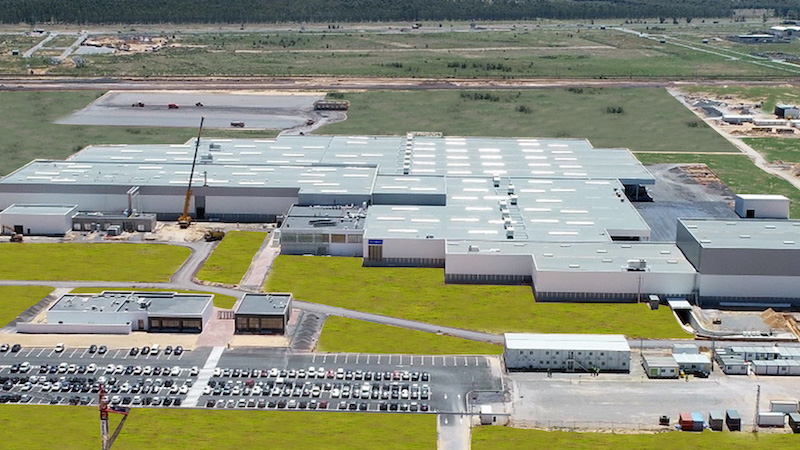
point(510, 233)
point(143, 303)
point(513, 199)
point(503, 204)
point(214, 146)
point(510, 188)
point(636, 265)
point(496, 180)
point(474, 248)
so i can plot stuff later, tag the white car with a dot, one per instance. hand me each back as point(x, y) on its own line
point(207, 390)
point(217, 372)
point(60, 347)
point(110, 368)
point(256, 390)
point(274, 372)
point(119, 369)
point(185, 389)
point(192, 372)
point(175, 371)
point(147, 370)
point(91, 368)
point(115, 400)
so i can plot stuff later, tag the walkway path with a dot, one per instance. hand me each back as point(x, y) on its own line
point(41, 44)
point(203, 377)
point(453, 432)
point(260, 266)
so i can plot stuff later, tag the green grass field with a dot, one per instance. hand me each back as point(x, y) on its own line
point(15, 299)
point(74, 427)
point(776, 149)
point(27, 130)
point(355, 336)
point(232, 257)
point(500, 438)
point(421, 294)
point(738, 172)
point(220, 301)
point(652, 120)
point(96, 262)
point(563, 53)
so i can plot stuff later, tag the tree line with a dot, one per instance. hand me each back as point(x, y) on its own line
point(331, 11)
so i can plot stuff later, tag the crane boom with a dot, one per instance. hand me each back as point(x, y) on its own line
point(184, 220)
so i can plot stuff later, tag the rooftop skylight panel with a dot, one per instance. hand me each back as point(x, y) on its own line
point(493, 164)
point(457, 157)
point(424, 170)
point(425, 220)
point(477, 208)
point(278, 161)
point(280, 147)
point(121, 158)
point(390, 219)
point(475, 190)
point(537, 209)
point(402, 230)
point(405, 208)
point(458, 164)
point(489, 150)
point(559, 146)
point(562, 233)
point(244, 146)
point(333, 191)
point(130, 150)
point(542, 172)
point(459, 172)
point(574, 211)
point(423, 189)
point(543, 220)
point(533, 191)
point(483, 232)
point(355, 175)
point(575, 174)
point(262, 169)
point(464, 219)
point(357, 142)
point(494, 172)
point(579, 222)
point(548, 200)
point(467, 197)
point(562, 190)
point(536, 157)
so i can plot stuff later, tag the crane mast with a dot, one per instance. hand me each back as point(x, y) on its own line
point(184, 220)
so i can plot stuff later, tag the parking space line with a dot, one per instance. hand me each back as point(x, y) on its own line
point(40, 353)
point(84, 353)
point(335, 358)
point(73, 352)
point(367, 359)
point(357, 358)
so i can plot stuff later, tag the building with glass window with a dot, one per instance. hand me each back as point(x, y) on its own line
point(263, 313)
point(119, 311)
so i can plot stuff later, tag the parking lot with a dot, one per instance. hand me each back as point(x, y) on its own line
point(245, 378)
point(220, 109)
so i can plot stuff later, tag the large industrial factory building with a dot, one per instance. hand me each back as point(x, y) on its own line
point(553, 213)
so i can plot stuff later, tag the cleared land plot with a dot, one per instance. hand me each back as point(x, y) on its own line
point(498, 438)
point(567, 53)
point(768, 95)
point(738, 172)
point(97, 262)
point(651, 119)
point(27, 130)
point(421, 294)
point(74, 427)
point(231, 259)
point(15, 299)
point(220, 301)
point(776, 149)
point(256, 110)
point(355, 336)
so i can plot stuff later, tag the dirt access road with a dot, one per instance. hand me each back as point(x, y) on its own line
point(337, 83)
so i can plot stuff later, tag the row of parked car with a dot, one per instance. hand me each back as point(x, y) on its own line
point(155, 350)
point(316, 405)
point(321, 372)
point(286, 388)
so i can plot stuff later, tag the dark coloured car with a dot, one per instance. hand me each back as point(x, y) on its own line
point(362, 407)
point(210, 403)
point(178, 351)
point(102, 350)
point(16, 347)
point(134, 351)
point(145, 350)
point(92, 348)
point(168, 350)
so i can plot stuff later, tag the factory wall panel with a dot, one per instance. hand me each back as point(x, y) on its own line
point(722, 261)
point(414, 248)
point(612, 283)
point(85, 201)
point(110, 318)
point(488, 263)
point(754, 286)
point(248, 205)
point(159, 204)
point(346, 250)
point(689, 246)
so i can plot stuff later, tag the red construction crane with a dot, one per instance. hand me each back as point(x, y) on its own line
point(107, 440)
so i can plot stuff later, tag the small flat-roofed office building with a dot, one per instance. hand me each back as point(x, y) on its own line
point(660, 366)
point(693, 363)
point(263, 313)
point(166, 312)
point(744, 263)
point(567, 352)
point(323, 230)
point(38, 218)
point(759, 206)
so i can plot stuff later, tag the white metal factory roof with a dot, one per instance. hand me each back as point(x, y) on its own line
point(451, 156)
point(590, 342)
point(746, 233)
point(546, 210)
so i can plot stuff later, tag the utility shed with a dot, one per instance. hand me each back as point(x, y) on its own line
point(38, 218)
point(758, 206)
point(567, 352)
point(263, 313)
point(660, 366)
point(716, 420)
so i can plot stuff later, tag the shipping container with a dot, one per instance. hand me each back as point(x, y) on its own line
point(733, 420)
point(715, 420)
point(771, 419)
point(697, 421)
point(685, 421)
point(783, 406)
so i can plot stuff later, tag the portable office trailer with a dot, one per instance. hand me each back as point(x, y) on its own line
point(783, 406)
point(685, 348)
point(733, 420)
point(693, 363)
point(770, 419)
point(567, 352)
point(715, 420)
point(660, 366)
